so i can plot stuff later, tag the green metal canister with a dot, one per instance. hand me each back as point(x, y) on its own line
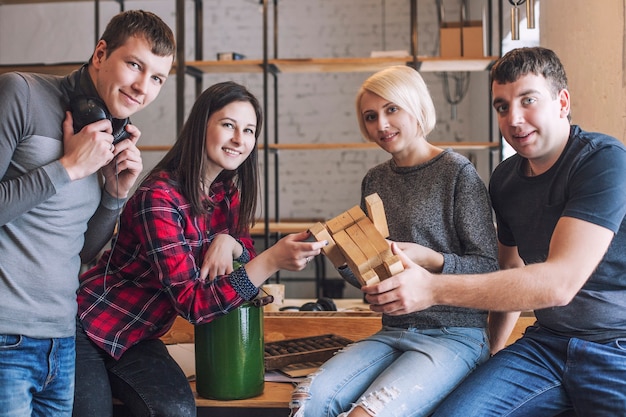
point(230, 355)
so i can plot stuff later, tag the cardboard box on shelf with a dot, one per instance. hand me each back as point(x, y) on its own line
point(458, 40)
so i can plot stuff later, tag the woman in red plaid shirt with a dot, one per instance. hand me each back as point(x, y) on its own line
point(178, 237)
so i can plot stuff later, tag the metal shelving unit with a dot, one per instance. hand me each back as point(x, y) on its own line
point(273, 67)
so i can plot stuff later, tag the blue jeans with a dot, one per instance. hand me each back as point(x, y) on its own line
point(146, 379)
point(395, 372)
point(543, 374)
point(36, 376)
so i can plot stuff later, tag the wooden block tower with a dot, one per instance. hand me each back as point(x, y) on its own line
point(359, 241)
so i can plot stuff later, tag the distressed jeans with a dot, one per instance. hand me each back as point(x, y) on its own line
point(36, 376)
point(543, 374)
point(395, 372)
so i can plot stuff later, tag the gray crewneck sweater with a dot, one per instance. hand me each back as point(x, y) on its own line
point(444, 205)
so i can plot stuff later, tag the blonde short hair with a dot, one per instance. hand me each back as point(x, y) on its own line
point(405, 87)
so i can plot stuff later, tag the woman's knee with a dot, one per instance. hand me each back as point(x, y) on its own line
point(181, 407)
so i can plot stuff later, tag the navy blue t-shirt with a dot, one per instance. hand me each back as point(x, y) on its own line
point(588, 182)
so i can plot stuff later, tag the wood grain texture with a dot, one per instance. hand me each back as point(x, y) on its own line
point(353, 325)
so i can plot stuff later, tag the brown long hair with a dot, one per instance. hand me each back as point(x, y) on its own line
point(187, 159)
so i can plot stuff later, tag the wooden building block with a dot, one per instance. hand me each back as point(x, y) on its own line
point(370, 278)
point(382, 272)
point(359, 237)
point(351, 251)
point(341, 222)
point(359, 241)
point(356, 213)
point(356, 260)
point(376, 213)
point(319, 232)
point(332, 251)
point(393, 265)
point(375, 238)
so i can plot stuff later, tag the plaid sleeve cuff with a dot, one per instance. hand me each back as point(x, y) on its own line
point(242, 284)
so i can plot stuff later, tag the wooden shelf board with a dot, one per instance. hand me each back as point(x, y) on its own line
point(285, 227)
point(320, 146)
point(46, 1)
point(41, 1)
point(334, 146)
point(290, 65)
point(370, 145)
point(154, 148)
point(313, 65)
point(275, 395)
point(62, 68)
point(308, 65)
point(236, 66)
point(461, 64)
point(54, 69)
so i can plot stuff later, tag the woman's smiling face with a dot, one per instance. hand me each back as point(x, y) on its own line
point(394, 129)
point(230, 137)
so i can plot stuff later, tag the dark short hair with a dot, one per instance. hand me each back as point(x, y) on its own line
point(139, 23)
point(530, 60)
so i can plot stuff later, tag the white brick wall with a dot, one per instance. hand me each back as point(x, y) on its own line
point(313, 108)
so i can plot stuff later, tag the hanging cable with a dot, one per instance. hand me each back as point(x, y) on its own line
point(461, 86)
point(116, 231)
point(383, 24)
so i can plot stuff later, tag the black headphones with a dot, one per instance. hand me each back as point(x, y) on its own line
point(87, 108)
point(322, 304)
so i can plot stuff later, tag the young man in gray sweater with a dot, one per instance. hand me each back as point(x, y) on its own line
point(63, 182)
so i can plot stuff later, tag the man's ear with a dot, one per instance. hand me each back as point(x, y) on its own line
point(565, 102)
point(99, 53)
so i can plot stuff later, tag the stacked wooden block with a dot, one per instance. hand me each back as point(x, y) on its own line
point(359, 241)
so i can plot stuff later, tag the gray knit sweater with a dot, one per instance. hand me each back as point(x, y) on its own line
point(47, 221)
point(444, 205)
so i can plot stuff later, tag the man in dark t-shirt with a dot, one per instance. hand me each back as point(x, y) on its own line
point(560, 204)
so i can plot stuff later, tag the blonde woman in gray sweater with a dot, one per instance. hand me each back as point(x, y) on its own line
point(439, 215)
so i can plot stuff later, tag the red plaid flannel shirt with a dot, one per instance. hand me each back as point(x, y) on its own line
point(153, 273)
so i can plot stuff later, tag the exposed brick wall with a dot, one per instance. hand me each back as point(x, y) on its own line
point(312, 108)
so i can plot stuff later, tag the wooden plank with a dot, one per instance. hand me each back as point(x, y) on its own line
point(371, 65)
point(285, 227)
point(41, 1)
point(469, 145)
point(293, 325)
point(353, 328)
point(275, 395)
point(292, 146)
point(52, 69)
point(220, 67)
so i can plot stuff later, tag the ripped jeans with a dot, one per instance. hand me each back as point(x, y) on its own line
point(395, 372)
